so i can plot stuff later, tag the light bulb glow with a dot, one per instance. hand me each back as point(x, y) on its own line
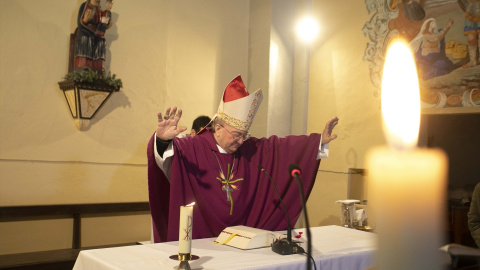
point(400, 97)
point(307, 29)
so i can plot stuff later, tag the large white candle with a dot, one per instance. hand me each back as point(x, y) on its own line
point(185, 229)
point(407, 184)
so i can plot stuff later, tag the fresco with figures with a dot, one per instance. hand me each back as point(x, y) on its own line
point(444, 36)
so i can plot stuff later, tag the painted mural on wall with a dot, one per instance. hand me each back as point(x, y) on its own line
point(444, 36)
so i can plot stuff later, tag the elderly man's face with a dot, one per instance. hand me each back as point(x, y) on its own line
point(229, 138)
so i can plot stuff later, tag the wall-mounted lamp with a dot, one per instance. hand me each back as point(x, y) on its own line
point(307, 29)
point(85, 99)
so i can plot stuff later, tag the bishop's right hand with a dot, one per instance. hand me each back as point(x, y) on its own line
point(167, 124)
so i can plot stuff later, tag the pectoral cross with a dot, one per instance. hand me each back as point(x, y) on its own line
point(229, 190)
point(228, 185)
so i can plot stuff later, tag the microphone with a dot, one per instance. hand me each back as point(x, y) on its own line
point(295, 172)
point(283, 246)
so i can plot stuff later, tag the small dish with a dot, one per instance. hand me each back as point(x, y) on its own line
point(365, 228)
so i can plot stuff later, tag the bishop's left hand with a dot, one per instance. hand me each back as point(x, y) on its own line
point(327, 135)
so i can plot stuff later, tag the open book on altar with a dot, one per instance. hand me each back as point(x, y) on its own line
point(244, 237)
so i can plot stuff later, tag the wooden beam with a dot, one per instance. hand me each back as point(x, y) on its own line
point(70, 209)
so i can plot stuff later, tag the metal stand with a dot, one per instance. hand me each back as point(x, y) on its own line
point(184, 258)
point(184, 265)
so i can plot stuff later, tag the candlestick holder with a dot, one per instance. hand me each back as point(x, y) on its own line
point(184, 258)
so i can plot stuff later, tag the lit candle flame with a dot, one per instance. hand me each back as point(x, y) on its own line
point(191, 204)
point(400, 97)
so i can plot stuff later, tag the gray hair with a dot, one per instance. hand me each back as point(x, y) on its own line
point(216, 121)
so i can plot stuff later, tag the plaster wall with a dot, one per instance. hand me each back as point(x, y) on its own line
point(339, 86)
point(259, 20)
point(281, 61)
point(167, 53)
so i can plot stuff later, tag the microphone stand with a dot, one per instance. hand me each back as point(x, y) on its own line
point(283, 246)
point(295, 172)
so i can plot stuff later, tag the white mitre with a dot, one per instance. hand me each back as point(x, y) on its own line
point(237, 107)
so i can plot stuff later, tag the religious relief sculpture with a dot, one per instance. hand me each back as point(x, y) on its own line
point(444, 38)
point(90, 42)
point(87, 86)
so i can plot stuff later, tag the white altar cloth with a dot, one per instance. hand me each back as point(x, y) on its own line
point(333, 247)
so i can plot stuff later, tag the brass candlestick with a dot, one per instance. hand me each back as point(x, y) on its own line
point(184, 258)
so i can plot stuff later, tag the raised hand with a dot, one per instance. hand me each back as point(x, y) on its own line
point(167, 125)
point(327, 135)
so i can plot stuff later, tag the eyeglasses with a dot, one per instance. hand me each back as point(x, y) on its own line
point(237, 136)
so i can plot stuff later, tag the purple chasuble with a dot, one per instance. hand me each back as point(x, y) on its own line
point(229, 189)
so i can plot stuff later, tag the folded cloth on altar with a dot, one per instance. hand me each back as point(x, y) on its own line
point(361, 214)
point(347, 201)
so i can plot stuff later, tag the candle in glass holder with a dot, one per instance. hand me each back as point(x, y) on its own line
point(407, 184)
point(185, 229)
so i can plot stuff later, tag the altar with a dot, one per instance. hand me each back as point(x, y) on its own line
point(333, 247)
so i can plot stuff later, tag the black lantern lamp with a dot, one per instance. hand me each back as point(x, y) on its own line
point(85, 99)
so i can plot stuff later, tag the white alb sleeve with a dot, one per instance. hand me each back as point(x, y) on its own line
point(164, 162)
point(322, 150)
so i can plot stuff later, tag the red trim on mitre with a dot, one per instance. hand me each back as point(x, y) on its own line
point(235, 90)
